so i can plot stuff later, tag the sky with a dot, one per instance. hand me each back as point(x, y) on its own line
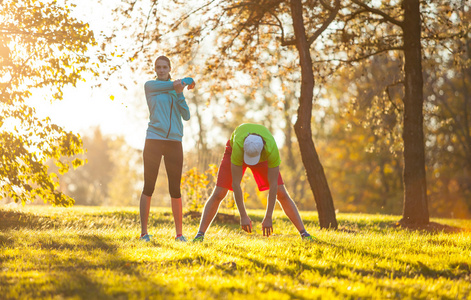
point(84, 107)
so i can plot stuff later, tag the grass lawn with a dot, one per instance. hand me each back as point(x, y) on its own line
point(94, 253)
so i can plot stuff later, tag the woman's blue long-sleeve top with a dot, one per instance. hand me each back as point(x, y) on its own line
point(167, 109)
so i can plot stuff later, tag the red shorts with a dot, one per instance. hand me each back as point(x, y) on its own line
point(259, 172)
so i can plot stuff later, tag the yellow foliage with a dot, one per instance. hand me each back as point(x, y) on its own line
point(196, 186)
point(388, 169)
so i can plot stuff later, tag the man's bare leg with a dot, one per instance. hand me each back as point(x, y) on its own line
point(289, 207)
point(211, 208)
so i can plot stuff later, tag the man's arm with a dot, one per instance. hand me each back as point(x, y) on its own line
point(237, 173)
point(267, 223)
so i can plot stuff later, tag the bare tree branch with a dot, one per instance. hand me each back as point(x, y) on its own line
point(326, 23)
point(280, 24)
point(389, 94)
point(185, 17)
point(357, 59)
point(326, 5)
point(147, 23)
point(379, 12)
point(319, 31)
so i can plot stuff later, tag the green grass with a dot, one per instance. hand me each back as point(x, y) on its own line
point(94, 253)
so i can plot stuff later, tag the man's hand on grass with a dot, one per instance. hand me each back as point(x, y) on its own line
point(267, 226)
point(246, 224)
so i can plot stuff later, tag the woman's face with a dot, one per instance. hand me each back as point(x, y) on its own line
point(162, 69)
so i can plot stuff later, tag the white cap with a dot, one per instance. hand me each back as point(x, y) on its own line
point(253, 146)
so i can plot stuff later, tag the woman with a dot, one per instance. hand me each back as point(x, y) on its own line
point(167, 108)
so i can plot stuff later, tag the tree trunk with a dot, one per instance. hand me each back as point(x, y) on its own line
point(288, 131)
point(314, 170)
point(415, 210)
point(466, 103)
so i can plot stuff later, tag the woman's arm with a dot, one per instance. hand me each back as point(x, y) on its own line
point(182, 106)
point(158, 86)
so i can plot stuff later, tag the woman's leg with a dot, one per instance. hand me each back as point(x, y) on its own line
point(177, 215)
point(173, 159)
point(144, 209)
point(152, 156)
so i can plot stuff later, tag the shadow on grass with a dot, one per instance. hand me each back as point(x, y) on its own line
point(455, 271)
point(230, 268)
point(87, 243)
point(15, 220)
point(292, 271)
point(377, 225)
point(78, 277)
point(81, 270)
point(5, 241)
point(431, 227)
point(335, 269)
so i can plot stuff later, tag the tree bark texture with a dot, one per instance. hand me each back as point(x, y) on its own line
point(415, 211)
point(314, 170)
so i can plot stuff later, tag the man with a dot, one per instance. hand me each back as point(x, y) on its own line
point(253, 146)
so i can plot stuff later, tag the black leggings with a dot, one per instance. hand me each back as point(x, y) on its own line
point(172, 152)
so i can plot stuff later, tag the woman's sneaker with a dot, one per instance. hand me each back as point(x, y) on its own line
point(181, 238)
point(145, 238)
